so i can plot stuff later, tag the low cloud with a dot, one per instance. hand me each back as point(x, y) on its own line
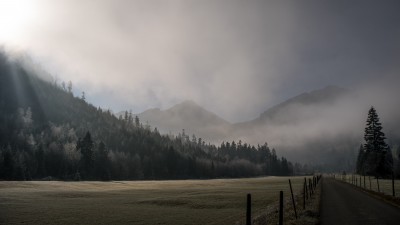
point(236, 59)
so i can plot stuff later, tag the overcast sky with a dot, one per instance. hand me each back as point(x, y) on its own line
point(235, 58)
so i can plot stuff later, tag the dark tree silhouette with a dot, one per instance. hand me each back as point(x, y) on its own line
point(102, 162)
point(70, 87)
point(85, 146)
point(376, 157)
point(137, 122)
point(360, 161)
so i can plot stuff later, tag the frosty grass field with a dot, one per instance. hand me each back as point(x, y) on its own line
point(220, 201)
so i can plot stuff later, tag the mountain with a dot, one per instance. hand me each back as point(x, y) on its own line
point(48, 133)
point(188, 116)
point(205, 124)
point(326, 96)
point(309, 128)
point(300, 126)
point(292, 110)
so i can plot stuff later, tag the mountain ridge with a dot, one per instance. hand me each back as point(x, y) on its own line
point(199, 121)
point(188, 116)
point(326, 95)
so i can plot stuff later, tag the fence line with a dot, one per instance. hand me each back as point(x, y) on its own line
point(385, 186)
point(312, 185)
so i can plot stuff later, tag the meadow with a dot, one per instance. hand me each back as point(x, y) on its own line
point(385, 185)
point(219, 201)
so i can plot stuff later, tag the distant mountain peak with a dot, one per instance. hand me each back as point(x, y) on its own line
point(186, 115)
point(326, 95)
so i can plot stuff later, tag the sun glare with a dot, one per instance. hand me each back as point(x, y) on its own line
point(16, 17)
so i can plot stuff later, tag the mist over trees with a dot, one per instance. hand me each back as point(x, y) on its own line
point(375, 156)
point(48, 133)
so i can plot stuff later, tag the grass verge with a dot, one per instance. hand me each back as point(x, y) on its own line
point(308, 216)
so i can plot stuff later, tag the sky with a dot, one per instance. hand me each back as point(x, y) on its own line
point(235, 58)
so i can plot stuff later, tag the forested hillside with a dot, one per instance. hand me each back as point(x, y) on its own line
point(48, 133)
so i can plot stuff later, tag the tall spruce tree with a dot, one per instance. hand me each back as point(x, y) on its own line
point(376, 159)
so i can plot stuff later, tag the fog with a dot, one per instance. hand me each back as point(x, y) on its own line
point(313, 132)
point(234, 58)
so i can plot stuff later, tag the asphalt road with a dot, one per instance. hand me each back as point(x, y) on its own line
point(342, 204)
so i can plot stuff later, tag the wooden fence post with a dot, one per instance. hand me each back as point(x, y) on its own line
point(315, 182)
point(364, 182)
point(305, 185)
point(304, 195)
point(369, 178)
point(312, 186)
point(377, 181)
point(394, 194)
point(294, 204)
point(248, 212)
point(281, 208)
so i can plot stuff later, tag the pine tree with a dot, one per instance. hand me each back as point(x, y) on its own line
point(360, 160)
point(85, 146)
point(101, 162)
point(137, 121)
point(376, 159)
point(70, 87)
point(373, 136)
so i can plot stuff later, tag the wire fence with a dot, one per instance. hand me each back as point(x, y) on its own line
point(385, 186)
point(296, 200)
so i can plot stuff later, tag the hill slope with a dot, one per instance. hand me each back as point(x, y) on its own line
point(47, 132)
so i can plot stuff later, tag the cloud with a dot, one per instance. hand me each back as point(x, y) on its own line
point(234, 58)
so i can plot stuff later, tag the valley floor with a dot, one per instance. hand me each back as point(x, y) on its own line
point(220, 201)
